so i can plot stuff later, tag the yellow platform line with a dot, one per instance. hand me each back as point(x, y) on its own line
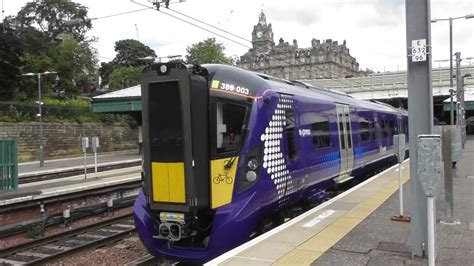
point(313, 248)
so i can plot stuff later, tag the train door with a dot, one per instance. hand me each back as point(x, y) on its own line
point(345, 142)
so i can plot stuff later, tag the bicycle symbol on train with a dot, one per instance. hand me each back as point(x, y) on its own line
point(221, 178)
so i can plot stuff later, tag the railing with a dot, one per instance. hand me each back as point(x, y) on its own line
point(15, 111)
point(388, 81)
point(8, 165)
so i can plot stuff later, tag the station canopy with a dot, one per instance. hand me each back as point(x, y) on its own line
point(468, 100)
point(120, 101)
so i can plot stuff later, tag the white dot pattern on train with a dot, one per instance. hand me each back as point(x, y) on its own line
point(274, 161)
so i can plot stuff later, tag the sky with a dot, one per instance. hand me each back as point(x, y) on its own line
point(375, 30)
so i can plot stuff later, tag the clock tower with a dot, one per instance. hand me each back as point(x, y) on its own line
point(262, 35)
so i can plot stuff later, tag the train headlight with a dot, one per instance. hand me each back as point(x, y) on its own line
point(253, 164)
point(163, 69)
point(251, 176)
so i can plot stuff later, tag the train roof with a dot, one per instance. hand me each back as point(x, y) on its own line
point(257, 82)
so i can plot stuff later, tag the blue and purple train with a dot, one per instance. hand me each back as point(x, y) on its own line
point(228, 152)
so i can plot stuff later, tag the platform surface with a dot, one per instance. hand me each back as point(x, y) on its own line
point(55, 165)
point(57, 187)
point(355, 227)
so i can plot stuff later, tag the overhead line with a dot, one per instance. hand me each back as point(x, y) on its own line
point(212, 26)
point(119, 14)
point(197, 26)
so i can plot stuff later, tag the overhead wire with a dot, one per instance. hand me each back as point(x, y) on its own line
point(192, 24)
point(120, 14)
point(210, 25)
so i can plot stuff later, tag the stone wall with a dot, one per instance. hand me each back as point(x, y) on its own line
point(62, 140)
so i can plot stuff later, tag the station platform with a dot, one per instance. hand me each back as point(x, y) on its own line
point(355, 228)
point(77, 163)
point(43, 190)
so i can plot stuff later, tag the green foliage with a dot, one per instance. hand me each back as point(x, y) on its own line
point(124, 77)
point(10, 63)
point(35, 231)
point(129, 54)
point(75, 62)
point(130, 51)
point(54, 110)
point(208, 51)
point(50, 16)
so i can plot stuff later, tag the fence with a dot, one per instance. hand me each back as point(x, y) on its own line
point(8, 164)
point(28, 111)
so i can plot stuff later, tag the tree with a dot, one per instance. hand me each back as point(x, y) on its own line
point(75, 62)
point(208, 51)
point(130, 53)
point(124, 77)
point(10, 63)
point(51, 17)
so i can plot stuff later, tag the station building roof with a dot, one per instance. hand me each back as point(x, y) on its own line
point(125, 100)
point(468, 100)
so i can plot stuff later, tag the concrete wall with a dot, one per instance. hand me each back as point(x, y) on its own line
point(63, 140)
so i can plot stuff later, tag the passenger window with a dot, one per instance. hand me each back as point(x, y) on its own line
point(229, 124)
point(320, 131)
point(393, 130)
point(349, 133)
point(341, 132)
point(290, 133)
point(385, 129)
point(373, 129)
point(364, 129)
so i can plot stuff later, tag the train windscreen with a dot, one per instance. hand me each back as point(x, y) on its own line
point(166, 126)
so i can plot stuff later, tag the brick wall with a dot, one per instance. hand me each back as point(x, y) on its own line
point(65, 139)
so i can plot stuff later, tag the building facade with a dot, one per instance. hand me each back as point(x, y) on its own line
point(327, 59)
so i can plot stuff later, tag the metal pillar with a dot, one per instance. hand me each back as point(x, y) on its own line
point(420, 114)
point(460, 97)
point(40, 114)
point(448, 173)
point(451, 108)
point(450, 52)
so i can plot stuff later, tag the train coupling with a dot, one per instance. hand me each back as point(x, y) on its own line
point(171, 226)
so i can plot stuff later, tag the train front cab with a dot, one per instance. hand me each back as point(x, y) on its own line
point(175, 150)
point(191, 155)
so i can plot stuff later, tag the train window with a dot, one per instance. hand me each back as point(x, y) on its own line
point(364, 126)
point(166, 128)
point(373, 129)
point(341, 132)
point(393, 129)
point(385, 129)
point(349, 133)
point(290, 133)
point(229, 124)
point(320, 131)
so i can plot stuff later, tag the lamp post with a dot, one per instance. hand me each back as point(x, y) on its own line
point(40, 103)
point(451, 42)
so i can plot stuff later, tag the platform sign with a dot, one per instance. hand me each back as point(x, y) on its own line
point(430, 166)
point(85, 144)
point(418, 50)
point(95, 144)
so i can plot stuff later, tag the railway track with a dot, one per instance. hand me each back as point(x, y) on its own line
point(53, 247)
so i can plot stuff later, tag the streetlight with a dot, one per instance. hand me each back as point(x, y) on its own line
point(40, 103)
point(451, 42)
